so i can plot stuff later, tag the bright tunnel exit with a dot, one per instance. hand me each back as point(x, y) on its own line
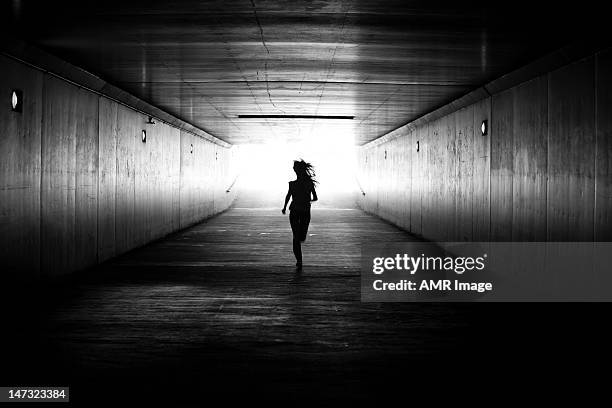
point(264, 169)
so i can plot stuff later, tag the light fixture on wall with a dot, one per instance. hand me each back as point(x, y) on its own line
point(144, 136)
point(385, 155)
point(484, 127)
point(418, 146)
point(17, 100)
point(191, 148)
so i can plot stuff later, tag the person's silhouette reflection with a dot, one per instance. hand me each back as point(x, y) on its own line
point(302, 192)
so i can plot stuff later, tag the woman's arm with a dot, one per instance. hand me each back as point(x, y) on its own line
point(287, 197)
point(314, 194)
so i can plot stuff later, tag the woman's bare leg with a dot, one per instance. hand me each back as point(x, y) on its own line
point(297, 251)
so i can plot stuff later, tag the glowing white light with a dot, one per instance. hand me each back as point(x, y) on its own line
point(14, 100)
point(267, 168)
point(144, 136)
point(483, 127)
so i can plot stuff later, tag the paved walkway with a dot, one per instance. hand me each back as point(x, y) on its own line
point(218, 310)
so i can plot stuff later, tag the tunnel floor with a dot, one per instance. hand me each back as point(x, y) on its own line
point(219, 311)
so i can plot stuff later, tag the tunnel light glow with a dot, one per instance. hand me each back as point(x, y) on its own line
point(16, 100)
point(484, 128)
point(144, 136)
point(191, 148)
point(265, 169)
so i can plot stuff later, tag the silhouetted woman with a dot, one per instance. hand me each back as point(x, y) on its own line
point(302, 190)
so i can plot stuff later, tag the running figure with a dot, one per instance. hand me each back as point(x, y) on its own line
point(302, 190)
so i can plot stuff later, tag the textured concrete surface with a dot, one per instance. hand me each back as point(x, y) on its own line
point(79, 186)
point(532, 178)
point(384, 62)
point(217, 313)
point(20, 163)
point(603, 159)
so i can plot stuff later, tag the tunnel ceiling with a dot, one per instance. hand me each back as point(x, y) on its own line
point(207, 62)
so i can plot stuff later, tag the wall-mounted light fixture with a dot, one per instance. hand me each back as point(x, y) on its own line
point(144, 136)
point(385, 155)
point(17, 100)
point(191, 148)
point(418, 146)
point(484, 127)
point(216, 155)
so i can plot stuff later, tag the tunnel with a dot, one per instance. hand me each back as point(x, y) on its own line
point(155, 248)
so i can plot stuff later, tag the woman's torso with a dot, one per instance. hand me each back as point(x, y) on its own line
point(300, 193)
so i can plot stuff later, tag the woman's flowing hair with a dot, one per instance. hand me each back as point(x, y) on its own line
point(304, 170)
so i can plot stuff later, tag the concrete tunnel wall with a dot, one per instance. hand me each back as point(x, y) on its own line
point(77, 184)
point(543, 172)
